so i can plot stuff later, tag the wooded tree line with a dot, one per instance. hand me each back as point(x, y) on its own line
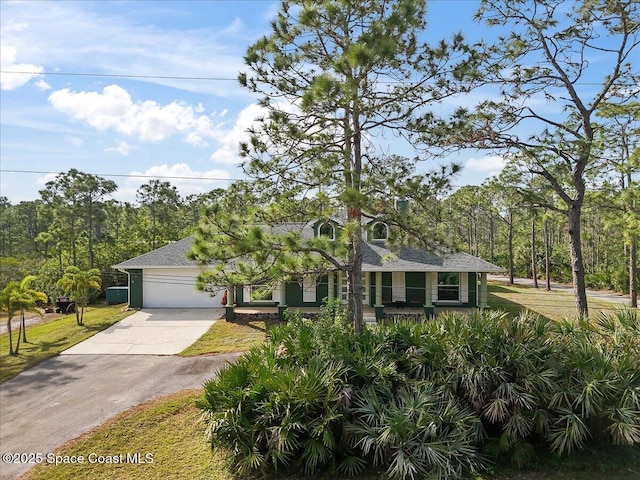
point(76, 222)
point(495, 221)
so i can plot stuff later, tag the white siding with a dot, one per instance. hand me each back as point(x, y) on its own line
point(309, 289)
point(398, 287)
point(175, 288)
point(464, 287)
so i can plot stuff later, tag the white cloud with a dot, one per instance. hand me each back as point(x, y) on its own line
point(121, 147)
point(180, 175)
point(230, 139)
point(11, 81)
point(489, 165)
point(75, 141)
point(70, 36)
point(114, 110)
point(42, 85)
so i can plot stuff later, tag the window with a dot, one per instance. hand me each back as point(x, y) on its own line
point(379, 231)
point(326, 230)
point(344, 290)
point(260, 293)
point(448, 286)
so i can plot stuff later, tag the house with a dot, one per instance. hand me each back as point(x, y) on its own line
point(409, 278)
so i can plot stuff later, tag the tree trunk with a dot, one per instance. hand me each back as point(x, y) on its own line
point(10, 338)
point(354, 278)
point(633, 272)
point(577, 264)
point(534, 263)
point(547, 256)
point(17, 350)
point(510, 246)
point(24, 329)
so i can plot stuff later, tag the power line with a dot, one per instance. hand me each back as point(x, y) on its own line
point(123, 75)
point(127, 175)
point(213, 79)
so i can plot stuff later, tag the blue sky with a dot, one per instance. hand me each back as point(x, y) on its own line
point(128, 129)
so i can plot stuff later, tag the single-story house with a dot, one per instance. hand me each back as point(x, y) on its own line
point(408, 278)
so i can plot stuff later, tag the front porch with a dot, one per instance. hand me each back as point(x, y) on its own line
point(276, 313)
point(385, 294)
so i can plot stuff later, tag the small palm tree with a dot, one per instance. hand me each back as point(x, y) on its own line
point(79, 285)
point(18, 296)
point(7, 306)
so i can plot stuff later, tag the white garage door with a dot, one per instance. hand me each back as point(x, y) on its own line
point(175, 288)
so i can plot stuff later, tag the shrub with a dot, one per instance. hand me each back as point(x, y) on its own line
point(426, 398)
point(416, 431)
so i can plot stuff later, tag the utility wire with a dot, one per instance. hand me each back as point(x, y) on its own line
point(213, 79)
point(210, 179)
point(123, 75)
point(126, 175)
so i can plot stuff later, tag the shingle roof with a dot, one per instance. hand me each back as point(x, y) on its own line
point(172, 255)
point(375, 257)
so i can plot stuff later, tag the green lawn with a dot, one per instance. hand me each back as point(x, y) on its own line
point(49, 338)
point(227, 337)
point(554, 305)
point(167, 429)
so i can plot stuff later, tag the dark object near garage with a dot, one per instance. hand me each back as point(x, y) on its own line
point(117, 295)
point(64, 305)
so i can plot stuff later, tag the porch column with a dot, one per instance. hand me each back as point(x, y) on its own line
point(378, 306)
point(282, 304)
point(228, 308)
point(482, 300)
point(428, 295)
point(331, 292)
point(339, 293)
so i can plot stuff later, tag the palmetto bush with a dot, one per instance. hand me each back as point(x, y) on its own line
point(417, 431)
point(427, 398)
point(599, 391)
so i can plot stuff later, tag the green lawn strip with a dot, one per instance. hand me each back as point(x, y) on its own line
point(612, 462)
point(554, 305)
point(169, 429)
point(228, 337)
point(48, 339)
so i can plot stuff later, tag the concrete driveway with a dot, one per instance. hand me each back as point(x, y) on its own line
point(65, 396)
point(157, 331)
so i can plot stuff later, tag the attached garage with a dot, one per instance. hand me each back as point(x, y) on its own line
point(175, 287)
point(165, 278)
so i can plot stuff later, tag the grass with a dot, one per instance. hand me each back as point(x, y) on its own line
point(599, 461)
point(169, 429)
point(554, 305)
point(227, 337)
point(48, 339)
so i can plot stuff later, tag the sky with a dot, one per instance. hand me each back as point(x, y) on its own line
point(101, 98)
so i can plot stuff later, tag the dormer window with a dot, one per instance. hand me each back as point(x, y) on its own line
point(379, 231)
point(327, 230)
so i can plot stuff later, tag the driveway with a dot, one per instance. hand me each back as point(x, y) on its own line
point(154, 331)
point(65, 396)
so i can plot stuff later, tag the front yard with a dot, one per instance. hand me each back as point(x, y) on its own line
point(169, 429)
point(49, 338)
